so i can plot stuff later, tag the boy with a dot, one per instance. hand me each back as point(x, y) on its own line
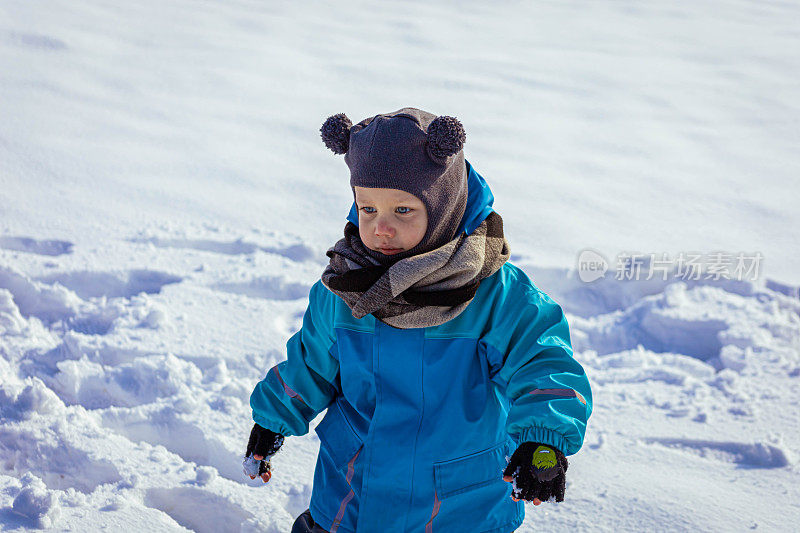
point(434, 356)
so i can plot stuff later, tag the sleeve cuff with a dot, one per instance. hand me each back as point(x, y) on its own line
point(543, 436)
point(275, 427)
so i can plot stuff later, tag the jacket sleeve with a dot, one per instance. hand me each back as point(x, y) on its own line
point(298, 389)
point(532, 363)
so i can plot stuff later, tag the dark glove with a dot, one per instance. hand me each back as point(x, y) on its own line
point(538, 472)
point(263, 443)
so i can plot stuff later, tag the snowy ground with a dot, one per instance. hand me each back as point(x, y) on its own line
point(166, 202)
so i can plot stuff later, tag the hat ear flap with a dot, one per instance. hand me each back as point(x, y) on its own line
point(446, 137)
point(336, 133)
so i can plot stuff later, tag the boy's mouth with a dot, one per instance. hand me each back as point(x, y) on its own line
point(390, 251)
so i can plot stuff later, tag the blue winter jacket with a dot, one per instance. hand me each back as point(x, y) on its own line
point(420, 421)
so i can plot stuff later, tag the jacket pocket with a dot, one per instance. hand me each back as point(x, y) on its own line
point(337, 436)
point(472, 471)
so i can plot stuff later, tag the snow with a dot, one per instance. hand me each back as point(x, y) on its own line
point(36, 503)
point(166, 202)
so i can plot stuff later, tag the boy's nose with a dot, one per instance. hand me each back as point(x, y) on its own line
point(383, 230)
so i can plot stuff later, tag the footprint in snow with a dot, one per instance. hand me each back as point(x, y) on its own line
point(35, 246)
point(756, 455)
point(294, 252)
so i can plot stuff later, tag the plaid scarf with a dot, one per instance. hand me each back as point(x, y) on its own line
point(423, 290)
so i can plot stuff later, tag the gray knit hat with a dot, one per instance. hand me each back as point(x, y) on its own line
point(411, 150)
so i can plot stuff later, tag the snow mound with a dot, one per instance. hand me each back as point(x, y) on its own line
point(36, 503)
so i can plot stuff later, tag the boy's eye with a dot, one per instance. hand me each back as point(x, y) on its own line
point(400, 210)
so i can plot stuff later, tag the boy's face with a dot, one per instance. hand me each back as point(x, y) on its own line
point(390, 220)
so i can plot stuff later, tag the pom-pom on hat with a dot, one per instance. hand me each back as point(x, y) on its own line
point(411, 150)
point(336, 133)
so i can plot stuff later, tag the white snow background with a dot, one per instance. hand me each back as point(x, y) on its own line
point(166, 202)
